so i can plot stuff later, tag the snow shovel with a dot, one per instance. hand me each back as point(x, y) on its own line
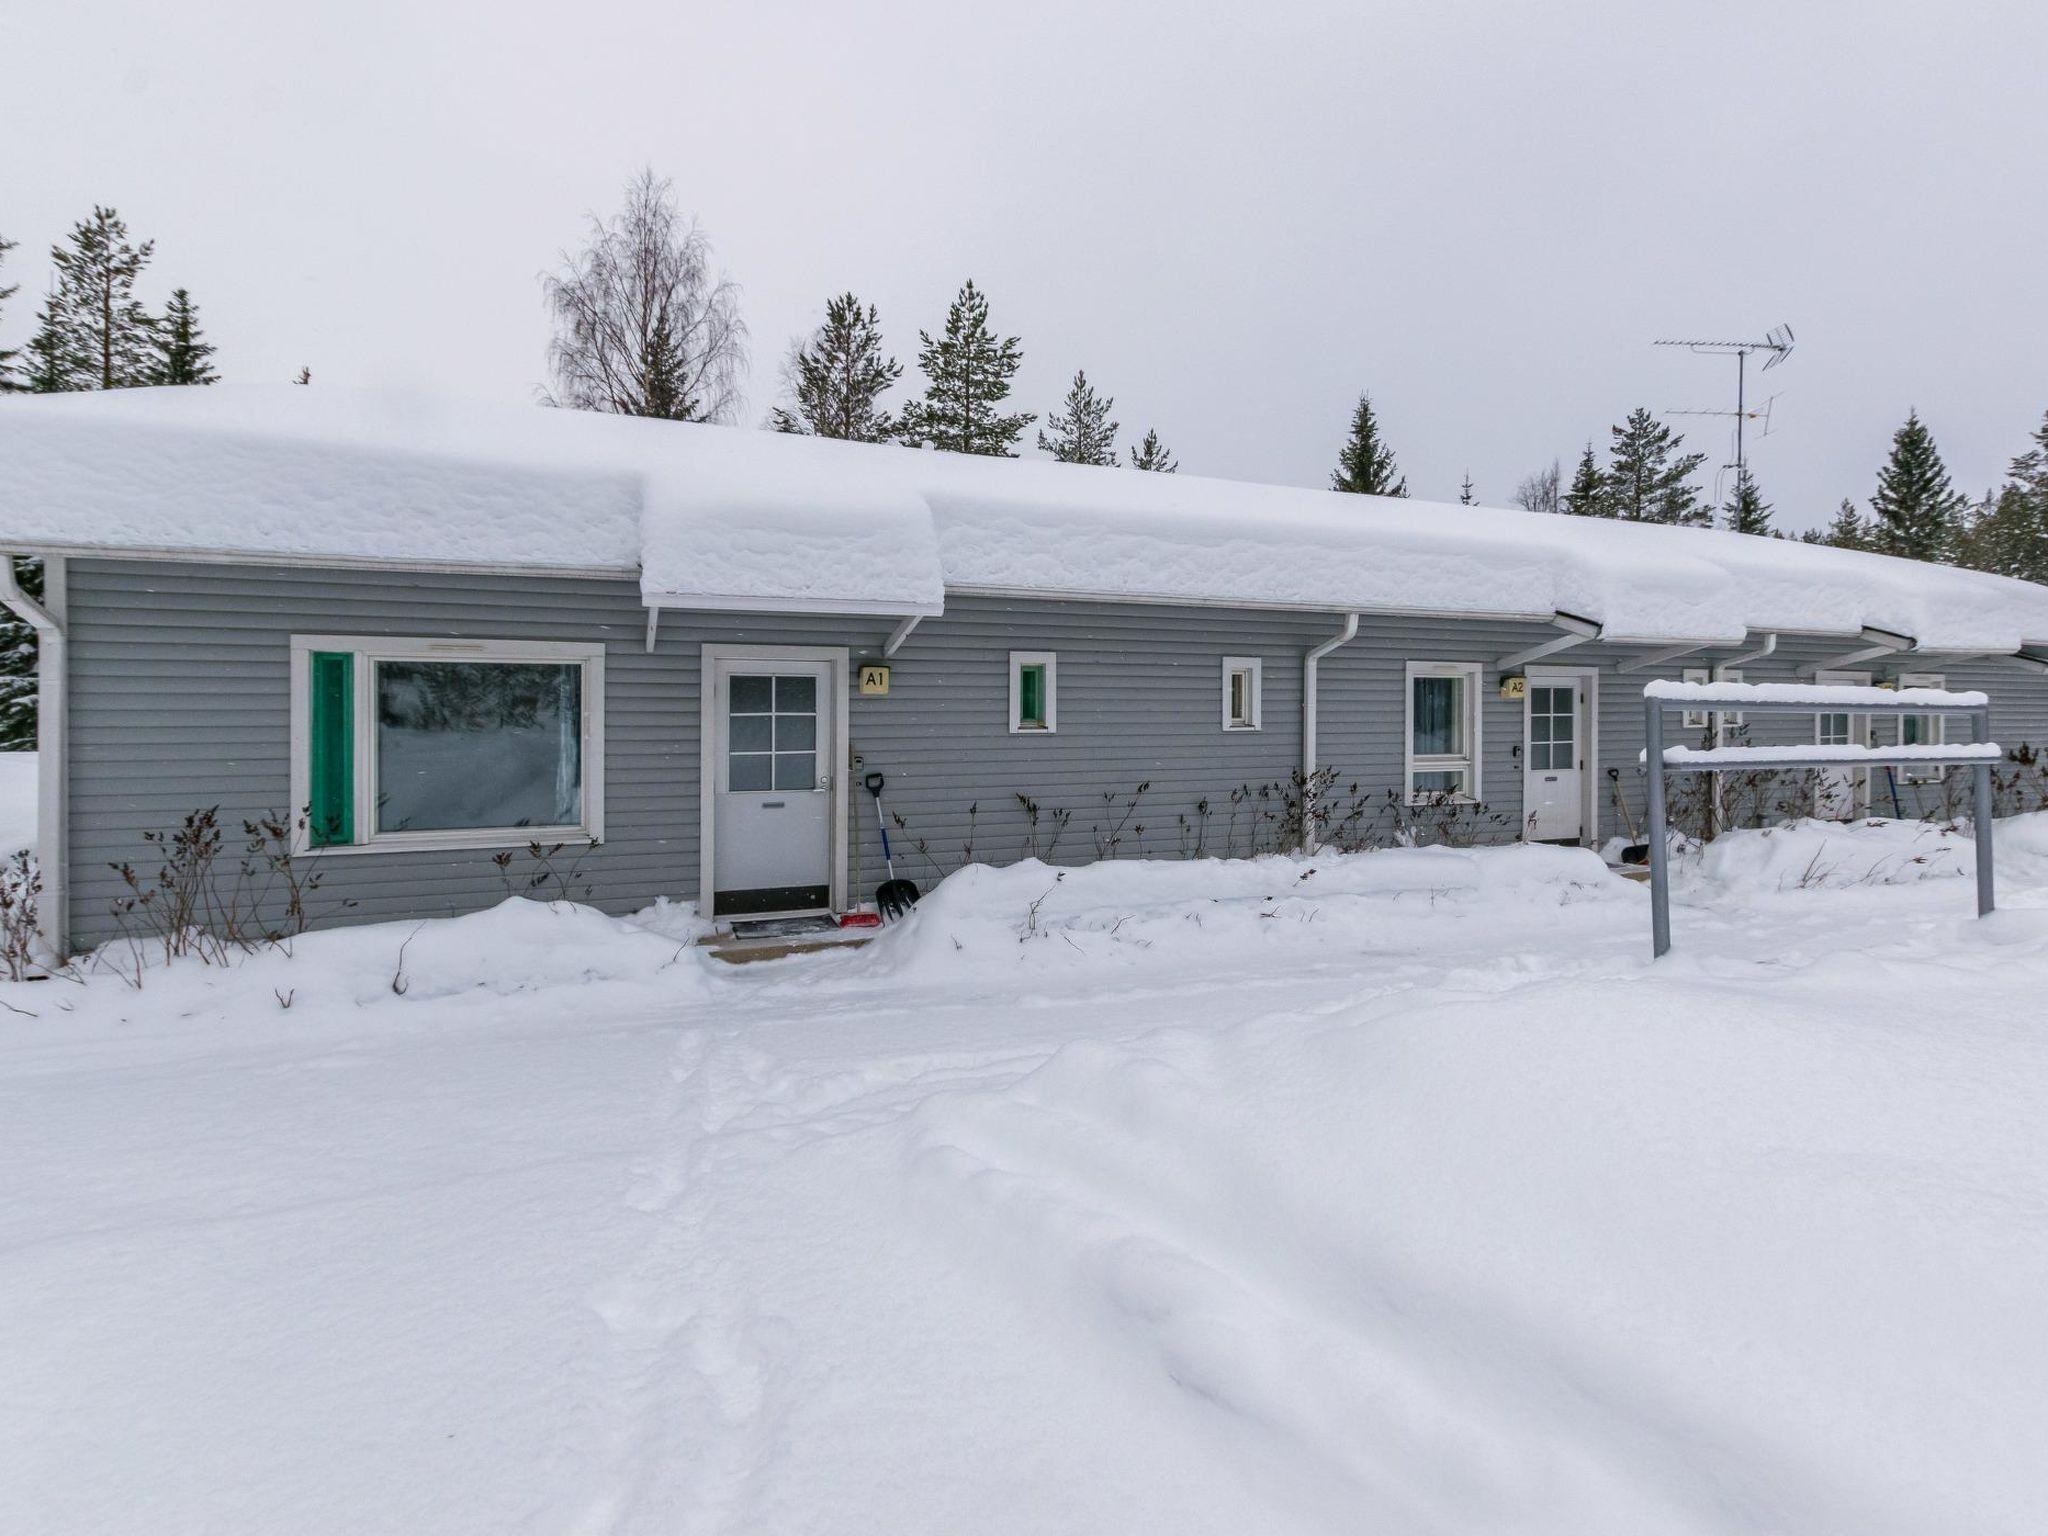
point(893, 898)
point(1637, 851)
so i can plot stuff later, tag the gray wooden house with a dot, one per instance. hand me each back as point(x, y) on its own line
point(431, 633)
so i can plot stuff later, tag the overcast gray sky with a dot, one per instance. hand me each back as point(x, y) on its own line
point(1234, 217)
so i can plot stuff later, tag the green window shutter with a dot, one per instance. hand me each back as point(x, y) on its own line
point(331, 736)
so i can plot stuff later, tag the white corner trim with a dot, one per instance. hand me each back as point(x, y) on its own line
point(1256, 666)
point(368, 650)
point(1050, 660)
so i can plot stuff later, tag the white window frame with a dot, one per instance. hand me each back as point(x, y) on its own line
point(1718, 720)
point(368, 650)
point(1473, 673)
point(1696, 719)
point(1255, 692)
point(1050, 660)
point(1937, 724)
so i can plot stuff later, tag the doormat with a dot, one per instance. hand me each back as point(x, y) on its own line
point(783, 927)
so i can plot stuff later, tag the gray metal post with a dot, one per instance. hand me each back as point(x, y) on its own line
point(1980, 730)
point(1660, 854)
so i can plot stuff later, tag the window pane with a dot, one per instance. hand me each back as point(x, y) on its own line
point(1449, 782)
point(796, 770)
point(751, 695)
point(794, 733)
point(1031, 695)
point(751, 733)
point(331, 777)
point(1439, 716)
point(796, 693)
point(1240, 703)
point(749, 770)
point(478, 744)
point(1539, 728)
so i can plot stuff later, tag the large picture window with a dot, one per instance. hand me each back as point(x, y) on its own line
point(423, 743)
point(1443, 731)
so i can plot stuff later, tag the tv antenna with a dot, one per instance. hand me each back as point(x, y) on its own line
point(1777, 342)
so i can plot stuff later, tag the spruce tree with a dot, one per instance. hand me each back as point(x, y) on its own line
point(1916, 512)
point(1366, 464)
point(1847, 531)
point(1152, 454)
point(7, 354)
point(96, 278)
point(1747, 510)
point(1587, 494)
point(837, 378)
point(967, 377)
point(1466, 496)
point(55, 361)
point(1649, 480)
point(18, 665)
point(2009, 531)
point(1083, 433)
point(181, 352)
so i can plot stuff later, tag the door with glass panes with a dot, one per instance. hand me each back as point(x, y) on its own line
point(772, 789)
point(1554, 758)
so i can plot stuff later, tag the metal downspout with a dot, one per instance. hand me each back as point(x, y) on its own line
point(1309, 665)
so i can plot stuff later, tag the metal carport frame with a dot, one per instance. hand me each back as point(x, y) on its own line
point(1794, 699)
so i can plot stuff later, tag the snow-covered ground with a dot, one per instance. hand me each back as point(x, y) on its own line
point(17, 802)
point(1393, 1193)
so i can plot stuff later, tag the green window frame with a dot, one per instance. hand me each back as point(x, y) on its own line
point(1034, 692)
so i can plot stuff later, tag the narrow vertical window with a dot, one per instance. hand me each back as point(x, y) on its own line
point(1922, 730)
point(332, 740)
point(1034, 682)
point(1241, 687)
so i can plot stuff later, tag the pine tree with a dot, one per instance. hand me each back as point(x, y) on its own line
point(1916, 512)
point(55, 361)
point(967, 376)
point(1747, 510)
point(96, 279)
point(1366, 464)
point(1648, 480)
point(1847, 531)
point(1154, 455)
point(8, 382)
point(304, 375)
point(836, 379)
point(1587, 495)
point(1083, 434)
point(1466, 497)
point(181, 353)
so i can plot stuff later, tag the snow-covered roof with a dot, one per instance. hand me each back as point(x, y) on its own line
point(734, 517)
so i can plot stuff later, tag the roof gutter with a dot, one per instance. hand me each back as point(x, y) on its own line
point(1309, 665)
point(52, 911)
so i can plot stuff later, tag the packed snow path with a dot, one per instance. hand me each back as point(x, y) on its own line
point(1404, 1208)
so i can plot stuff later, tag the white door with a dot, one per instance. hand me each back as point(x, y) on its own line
point(1554, 759)
point(1840, 793)
point(772, 794)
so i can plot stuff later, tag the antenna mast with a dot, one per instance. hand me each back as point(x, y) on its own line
point(1777, 342)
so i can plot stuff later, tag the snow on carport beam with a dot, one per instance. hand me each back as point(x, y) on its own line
point(1876, 643)
point(1577, 631)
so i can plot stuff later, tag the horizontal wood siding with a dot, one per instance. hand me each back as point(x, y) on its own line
point(180, 700)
